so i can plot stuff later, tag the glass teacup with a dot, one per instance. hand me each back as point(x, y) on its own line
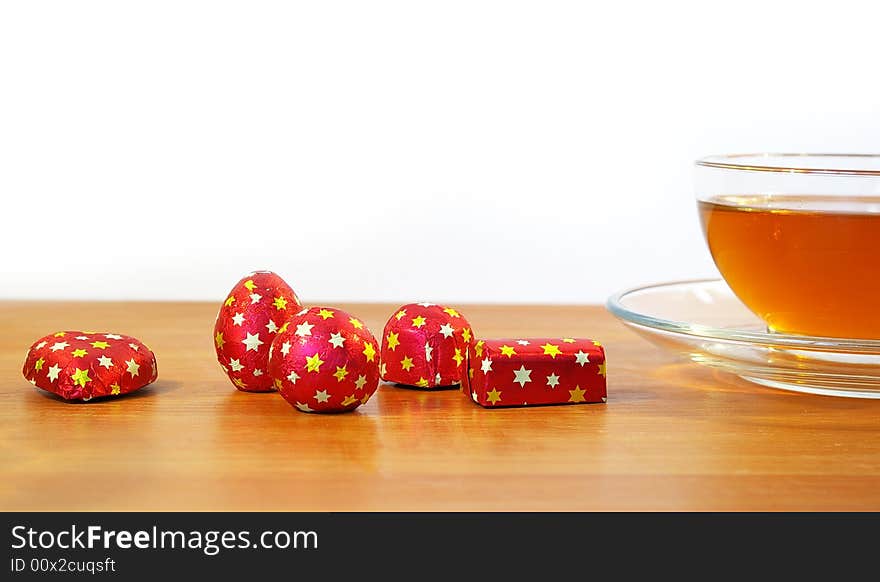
point(797, 238)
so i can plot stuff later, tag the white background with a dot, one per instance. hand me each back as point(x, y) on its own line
point(370, 151)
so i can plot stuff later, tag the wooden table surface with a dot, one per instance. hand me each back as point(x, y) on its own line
point(673, 436)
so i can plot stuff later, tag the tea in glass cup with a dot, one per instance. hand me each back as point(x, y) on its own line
point(797, 238)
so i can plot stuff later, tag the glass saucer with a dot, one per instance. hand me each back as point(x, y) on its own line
point(705, 322)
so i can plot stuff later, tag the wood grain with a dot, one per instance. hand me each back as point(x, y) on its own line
point(672, 436)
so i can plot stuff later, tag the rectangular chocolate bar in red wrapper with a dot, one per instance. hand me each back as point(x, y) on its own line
point(535, 371)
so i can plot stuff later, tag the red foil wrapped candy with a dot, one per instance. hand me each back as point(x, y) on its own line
point(326, 360)
point(424, 345)
point(535, 371)
point(81, 365)
point(254, 312)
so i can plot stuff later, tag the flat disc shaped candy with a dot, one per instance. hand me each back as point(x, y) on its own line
point(424, 345)
point(325, 361)
point(81, 365)
point(253, 313)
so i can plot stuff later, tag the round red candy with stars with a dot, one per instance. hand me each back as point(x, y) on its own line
point(325, 361)
point(424, 345)
point(81, 365)
point(251, 316)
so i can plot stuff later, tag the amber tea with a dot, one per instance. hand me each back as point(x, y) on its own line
point(804, 264)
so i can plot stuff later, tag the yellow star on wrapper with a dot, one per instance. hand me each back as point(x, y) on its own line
point(313, 363)
point(458, 357)
point(218, 339)
point(60, 334)
point(283, 328)
point(279, 303)
point(406, 363)
point(493, 396)
point(422, 383)
point(349, 400)
point(250, 285)
point(466, 334)
point(277, 383)
point(79, 353)
point(356, 322)
point(38, 365)
point(418, 321)
point(115, 389)
point(568, 340)
point(325, 314)
point(341, 373)
point(451, 312)
point(100, 345)
point(392, 341)
point(81, 377)
point(365, 398)
point(601, 370)
point(229, 301)
point(369, 351)
point(399, 315)
point(577, 395)
point(239, 382)
point(506, 350)
point(551, 350)
point(597, 344)
point(479, 348)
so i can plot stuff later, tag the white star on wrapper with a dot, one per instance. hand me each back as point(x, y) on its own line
point(522, 376)
point(238, 319)
point(304, 407)
point(486, 366)
point(112, 336)
point(235, 365)
point(474, 396)
point(553, 380)
point(53, 372)
point(255, 298)
point(321, 396)
point(258, 372)
point(293, 377)
point(253, 342)
point(304, 329)
point(336, 340)
point(303, 311)
point(446, 330)
point(285, 348)
point(133, 367)
point(582, 358)
point(59, 346)
point(437, 379)
point(82, 337)
point(271, 327)
point(135, 347)
point(40, 345)
point(428, 351)
point(522, 342)
point(105, 361)
point(425, 304)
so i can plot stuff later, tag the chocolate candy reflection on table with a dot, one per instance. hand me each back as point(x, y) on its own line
point(81, 365)
point(424, 345)
point(325, 360)
point(535, 371)
point(254, 311)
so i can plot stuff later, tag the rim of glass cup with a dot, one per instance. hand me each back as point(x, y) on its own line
point(732, 162)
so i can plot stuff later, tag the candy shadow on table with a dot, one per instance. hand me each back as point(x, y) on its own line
point(156, 388)
point(420, 389)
